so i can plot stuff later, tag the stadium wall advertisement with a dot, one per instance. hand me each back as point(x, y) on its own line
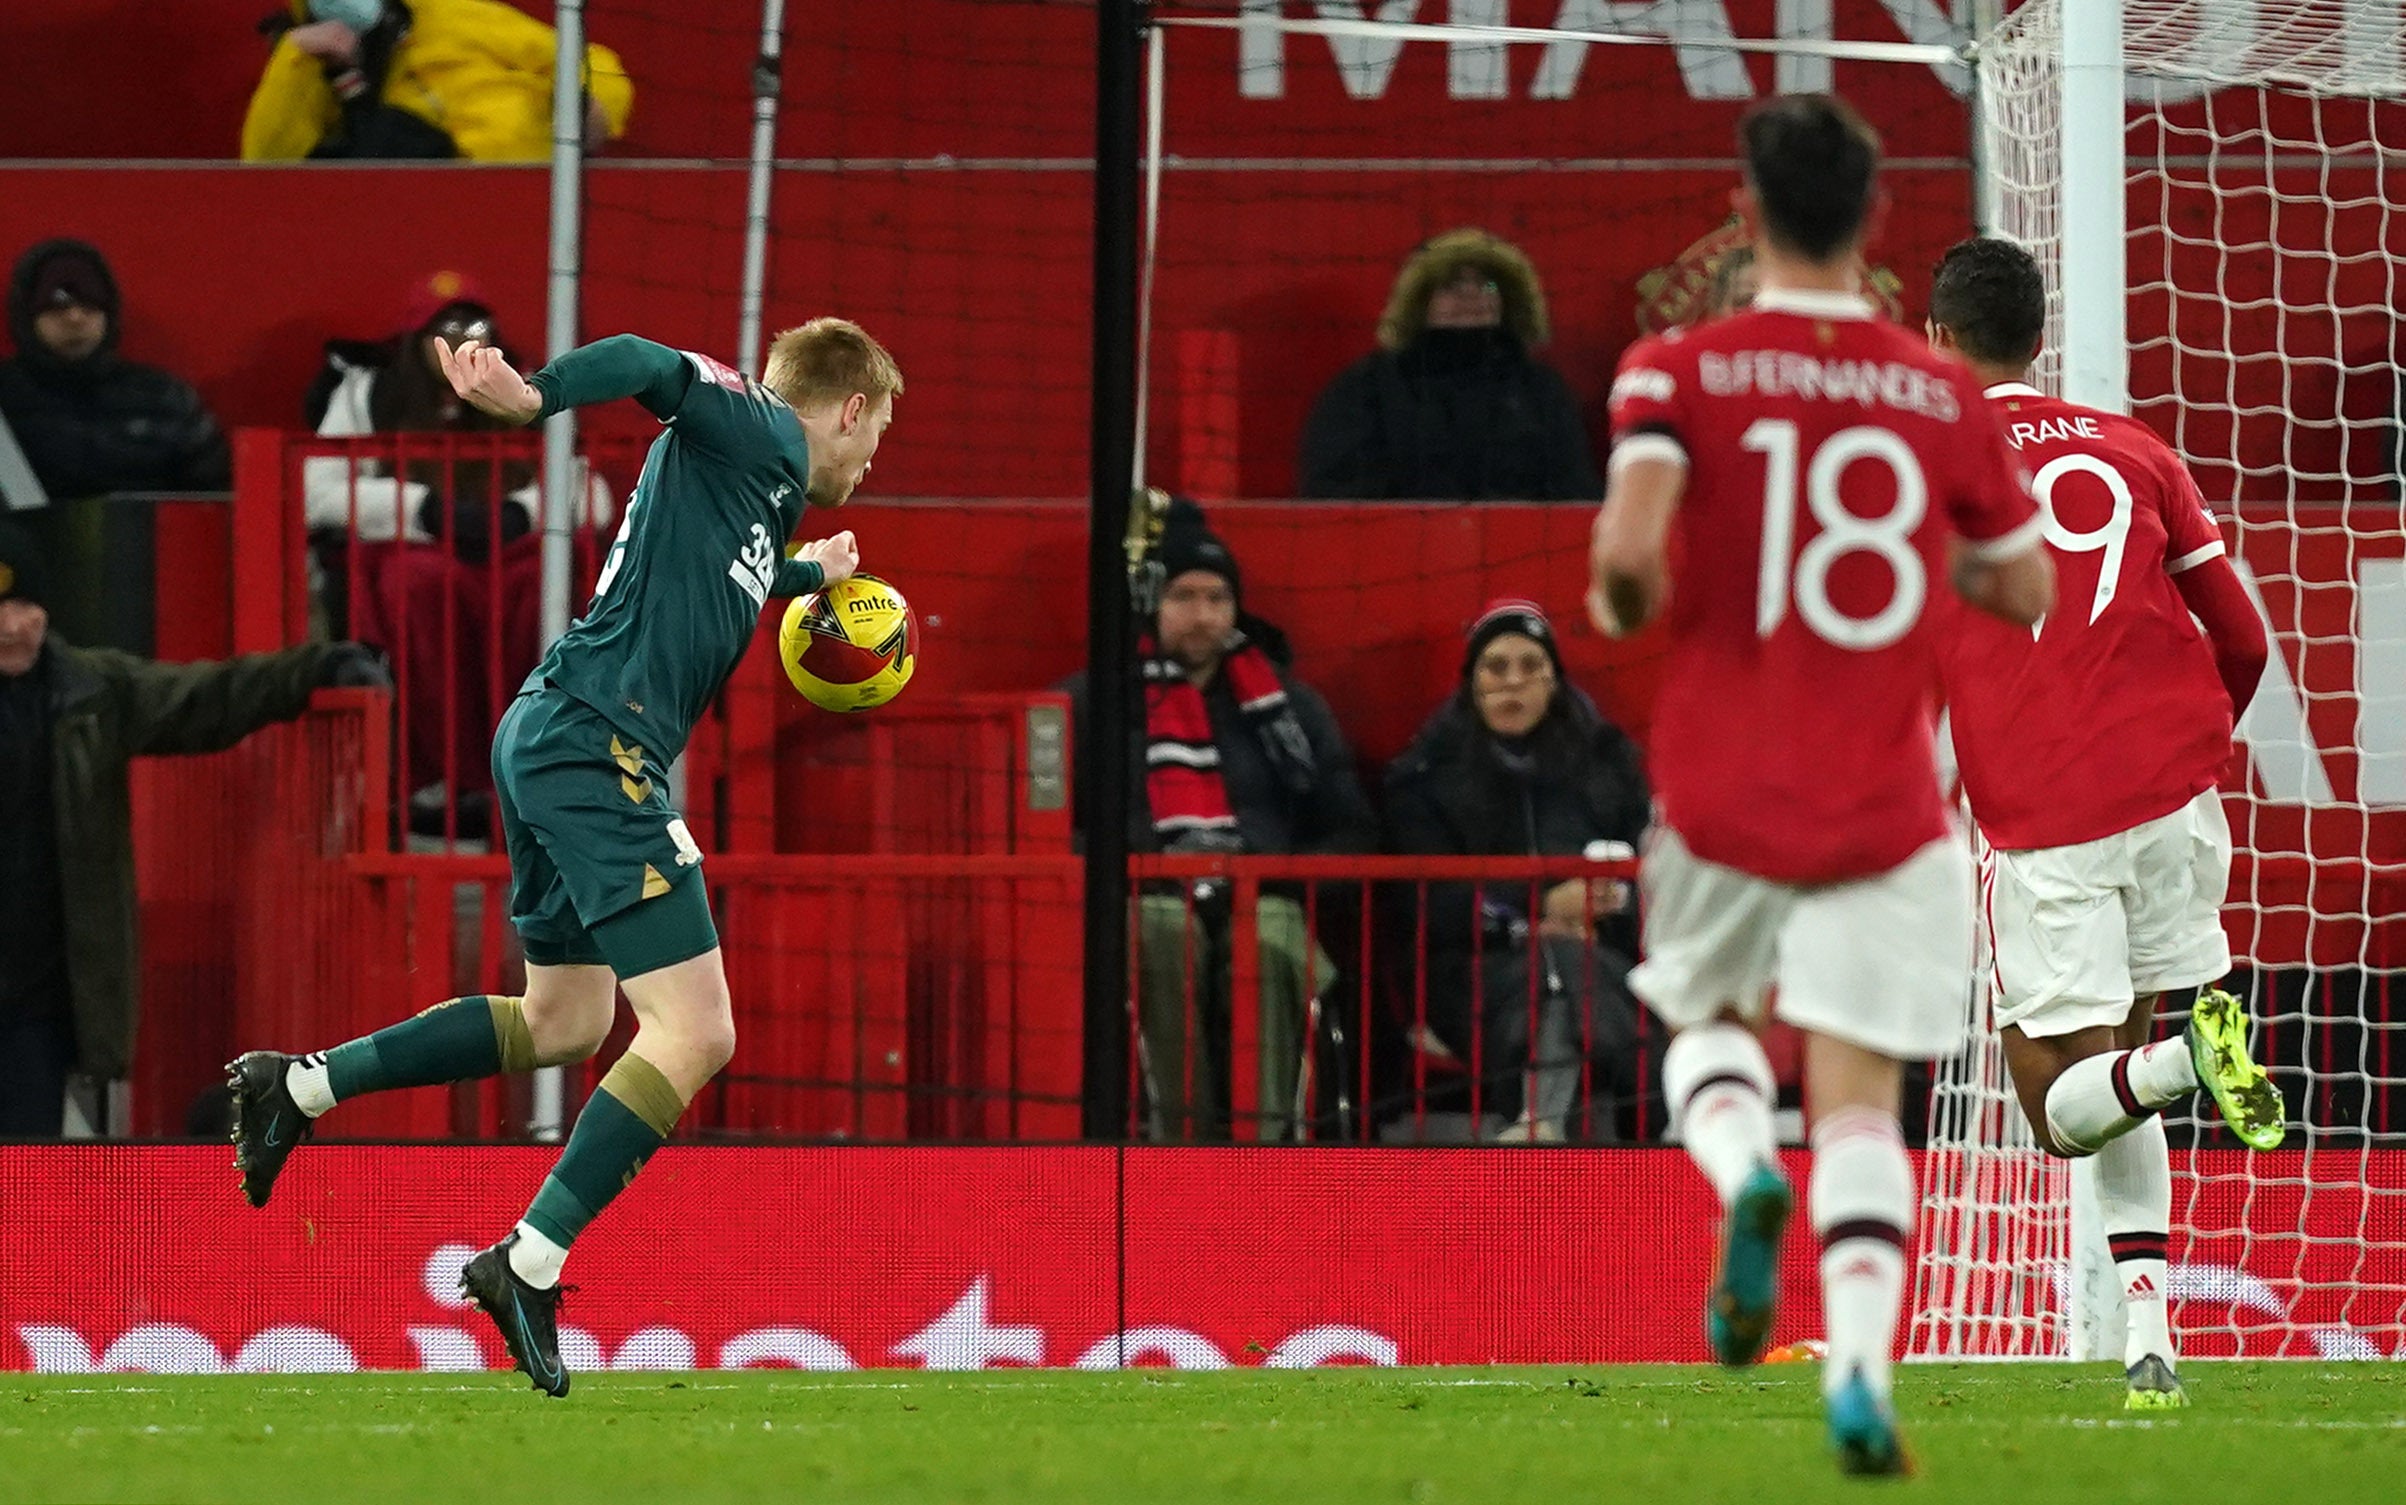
point(146, 1259)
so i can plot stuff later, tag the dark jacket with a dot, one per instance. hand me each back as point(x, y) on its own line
point(108, 708)
point(1457, 415)
point(1452, 414)
point(1456, 791)
point(1334, 816)
point(103, 423)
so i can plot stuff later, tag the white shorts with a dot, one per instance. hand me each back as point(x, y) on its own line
point(1883, 962)
point(2076, 933)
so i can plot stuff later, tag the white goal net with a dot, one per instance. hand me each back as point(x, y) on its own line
point(2263, 184)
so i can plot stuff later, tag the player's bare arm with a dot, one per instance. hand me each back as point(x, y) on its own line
point(1629, 559)
point(2019, 589)
point(487, 382)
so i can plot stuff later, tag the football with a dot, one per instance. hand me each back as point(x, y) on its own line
point(851, 646)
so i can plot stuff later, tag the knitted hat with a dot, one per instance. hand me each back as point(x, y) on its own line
point(1514, 615)
point(21, 574)
point(1184, 549)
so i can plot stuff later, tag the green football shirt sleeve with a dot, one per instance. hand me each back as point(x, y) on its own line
point(798, 577)
point(734, 418)
point(624, 365)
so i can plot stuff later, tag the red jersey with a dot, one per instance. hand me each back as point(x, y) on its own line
point(2112, 713)
point(1830, 455)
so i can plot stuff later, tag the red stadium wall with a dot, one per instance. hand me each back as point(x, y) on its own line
point(958, 228)
point(966, 1258)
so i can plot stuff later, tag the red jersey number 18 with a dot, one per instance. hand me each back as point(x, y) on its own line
point(1889, 535)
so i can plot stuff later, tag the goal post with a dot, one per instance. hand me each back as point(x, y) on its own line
point(2210, 187)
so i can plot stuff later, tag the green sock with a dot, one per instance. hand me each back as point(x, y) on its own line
point(624, 1121)
point(451, 1042)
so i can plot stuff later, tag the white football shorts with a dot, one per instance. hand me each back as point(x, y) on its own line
point(1883, 962)
point(2076, 933)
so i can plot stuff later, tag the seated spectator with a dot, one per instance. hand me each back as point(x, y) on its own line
point(70, 721)
point(426, 589)
point(429, 78)
point(1452, 406)
point(1519, 762)
point(88, 420)
point(1237, 756)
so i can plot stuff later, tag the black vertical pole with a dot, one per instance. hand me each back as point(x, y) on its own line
point(1102, 753)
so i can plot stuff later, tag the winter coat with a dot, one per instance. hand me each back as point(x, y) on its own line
point(1458, 415)
point(1457, 792)
point(1452, 414)
point(103, 423)
point(1333, 816)
point(476, 70)
point(108, 708)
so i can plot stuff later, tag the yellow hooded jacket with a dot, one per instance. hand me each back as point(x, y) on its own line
point(477, 69)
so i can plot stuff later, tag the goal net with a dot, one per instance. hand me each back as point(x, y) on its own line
point(2260, 277)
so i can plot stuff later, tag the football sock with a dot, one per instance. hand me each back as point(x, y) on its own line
point(1718, 1082)
point(626, 1119)
point(2134, 1201)
point(2099, 1098)
point(1862, 1203)
point(535, 1258)
point(454, 1041)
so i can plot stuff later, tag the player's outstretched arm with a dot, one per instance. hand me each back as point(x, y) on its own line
point(624, 365)
point(1629, 574)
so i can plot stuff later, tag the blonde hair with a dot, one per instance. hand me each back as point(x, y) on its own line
point(827, 360)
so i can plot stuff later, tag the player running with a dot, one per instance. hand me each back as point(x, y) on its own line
point(2090, 750)
point(1823, 468)
point(605, 882)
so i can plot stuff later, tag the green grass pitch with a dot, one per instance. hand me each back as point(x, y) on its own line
point(2026, 1434)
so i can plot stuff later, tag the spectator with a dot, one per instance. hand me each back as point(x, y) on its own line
point(1452, 406)
point(1519, 762)
point(429, 78)
point(426, 586)
point(1238, 756)
point(70, 719)
point(90, 421)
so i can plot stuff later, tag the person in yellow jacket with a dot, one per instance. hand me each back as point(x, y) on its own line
point(425, 78)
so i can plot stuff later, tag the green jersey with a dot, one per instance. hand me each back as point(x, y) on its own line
point(701, 548)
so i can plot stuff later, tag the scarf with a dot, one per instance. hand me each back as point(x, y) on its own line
point(1183, 778)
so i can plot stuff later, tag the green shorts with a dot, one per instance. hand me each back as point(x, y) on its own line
point(602, 872)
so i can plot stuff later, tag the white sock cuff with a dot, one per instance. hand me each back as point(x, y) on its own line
point(1862, 1178)
point(310, 1083)
point(1710, 1055)
point(536, 1258)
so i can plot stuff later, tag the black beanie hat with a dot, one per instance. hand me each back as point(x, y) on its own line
point(1511, 614)
point(1185, 548)
point(21, 573)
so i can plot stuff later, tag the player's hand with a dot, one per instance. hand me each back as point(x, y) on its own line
point(487, 382)
point(837, 556)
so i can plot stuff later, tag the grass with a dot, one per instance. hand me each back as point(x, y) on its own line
point(1657, 1435)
